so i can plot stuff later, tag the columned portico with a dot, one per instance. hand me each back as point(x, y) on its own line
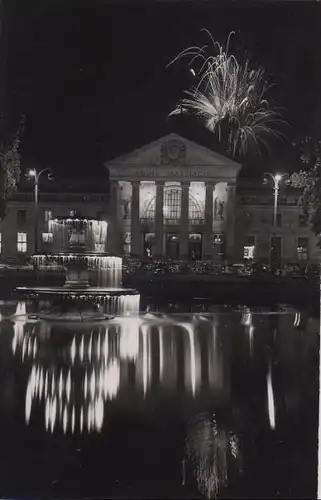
point(184, 222)
point(208, 234)
point(182, 199)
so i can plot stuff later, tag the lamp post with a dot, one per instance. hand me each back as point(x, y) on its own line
point(276, 179)
point(35, 175)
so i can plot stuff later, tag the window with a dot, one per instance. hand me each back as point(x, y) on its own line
point(71, 213)
point(126, 243)
point(302, 220)
point(47, 237)
point(172, 204)
point(172, 207)
point(276, 249)
point(303, 248)
point(21, 217)
point(22, 242)
point(0, 243)
point(48, 215)
point(249, 248)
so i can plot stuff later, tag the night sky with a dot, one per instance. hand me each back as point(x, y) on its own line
point(92, 78)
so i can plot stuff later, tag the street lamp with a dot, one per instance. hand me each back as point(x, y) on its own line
point(276, 179)
point(35, 175)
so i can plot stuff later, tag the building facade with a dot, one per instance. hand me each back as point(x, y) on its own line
point(171, 199)
point(56, 198)
point(174, 199)
point(292, 238)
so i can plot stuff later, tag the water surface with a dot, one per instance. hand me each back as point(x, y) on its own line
point(189, 405)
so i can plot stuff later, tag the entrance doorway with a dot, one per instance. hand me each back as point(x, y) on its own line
point(149, 245)
point(219, 246)
point(276, 250)
point(195, 246)
point(172, 246)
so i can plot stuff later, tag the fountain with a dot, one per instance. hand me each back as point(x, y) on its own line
point(92, 288)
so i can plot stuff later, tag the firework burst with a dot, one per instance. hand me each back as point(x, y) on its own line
point(230, 99)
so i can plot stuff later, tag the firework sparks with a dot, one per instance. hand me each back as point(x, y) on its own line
point(230, 99)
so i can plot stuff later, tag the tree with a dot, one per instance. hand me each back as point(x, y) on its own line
point(230, 98)
point(308, 180)
point(10, 165)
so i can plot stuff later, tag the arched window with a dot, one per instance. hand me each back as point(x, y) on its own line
point(172, 207)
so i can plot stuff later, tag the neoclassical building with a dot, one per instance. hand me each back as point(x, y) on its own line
point(170, 199)
point(173, 199)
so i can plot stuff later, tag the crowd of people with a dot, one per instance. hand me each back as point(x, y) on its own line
point(246, 268)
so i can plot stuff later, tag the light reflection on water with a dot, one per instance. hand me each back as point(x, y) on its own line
point(205, 368)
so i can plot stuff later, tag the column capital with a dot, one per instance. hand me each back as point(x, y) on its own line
point(210, 184)
point(135, 183)
point(160, 183)
point(185, 184)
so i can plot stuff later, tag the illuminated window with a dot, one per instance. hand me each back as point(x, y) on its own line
point(172, 204)
point(47, 237)
point(303, 248)
point(126, 243)
point(48, 215)
point(0, 243)
point(172, 207)
point(249, 248)
point(71, 213)
point(22, 242)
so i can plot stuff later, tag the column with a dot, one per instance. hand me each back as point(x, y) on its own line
point(230, 223)
point(208, 235)
point(159, 220)
point(114, 225)
point(184, 223)
point(135, 246)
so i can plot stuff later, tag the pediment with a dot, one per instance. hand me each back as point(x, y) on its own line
point(174, 150)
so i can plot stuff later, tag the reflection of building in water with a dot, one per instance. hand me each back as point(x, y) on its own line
point(247, 321)
point(74, 378)
point(179, 355)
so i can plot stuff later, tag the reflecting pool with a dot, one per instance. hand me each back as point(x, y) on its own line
point(166, 404)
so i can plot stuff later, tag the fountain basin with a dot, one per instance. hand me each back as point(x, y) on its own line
point(92, 289)
point(90, 302)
